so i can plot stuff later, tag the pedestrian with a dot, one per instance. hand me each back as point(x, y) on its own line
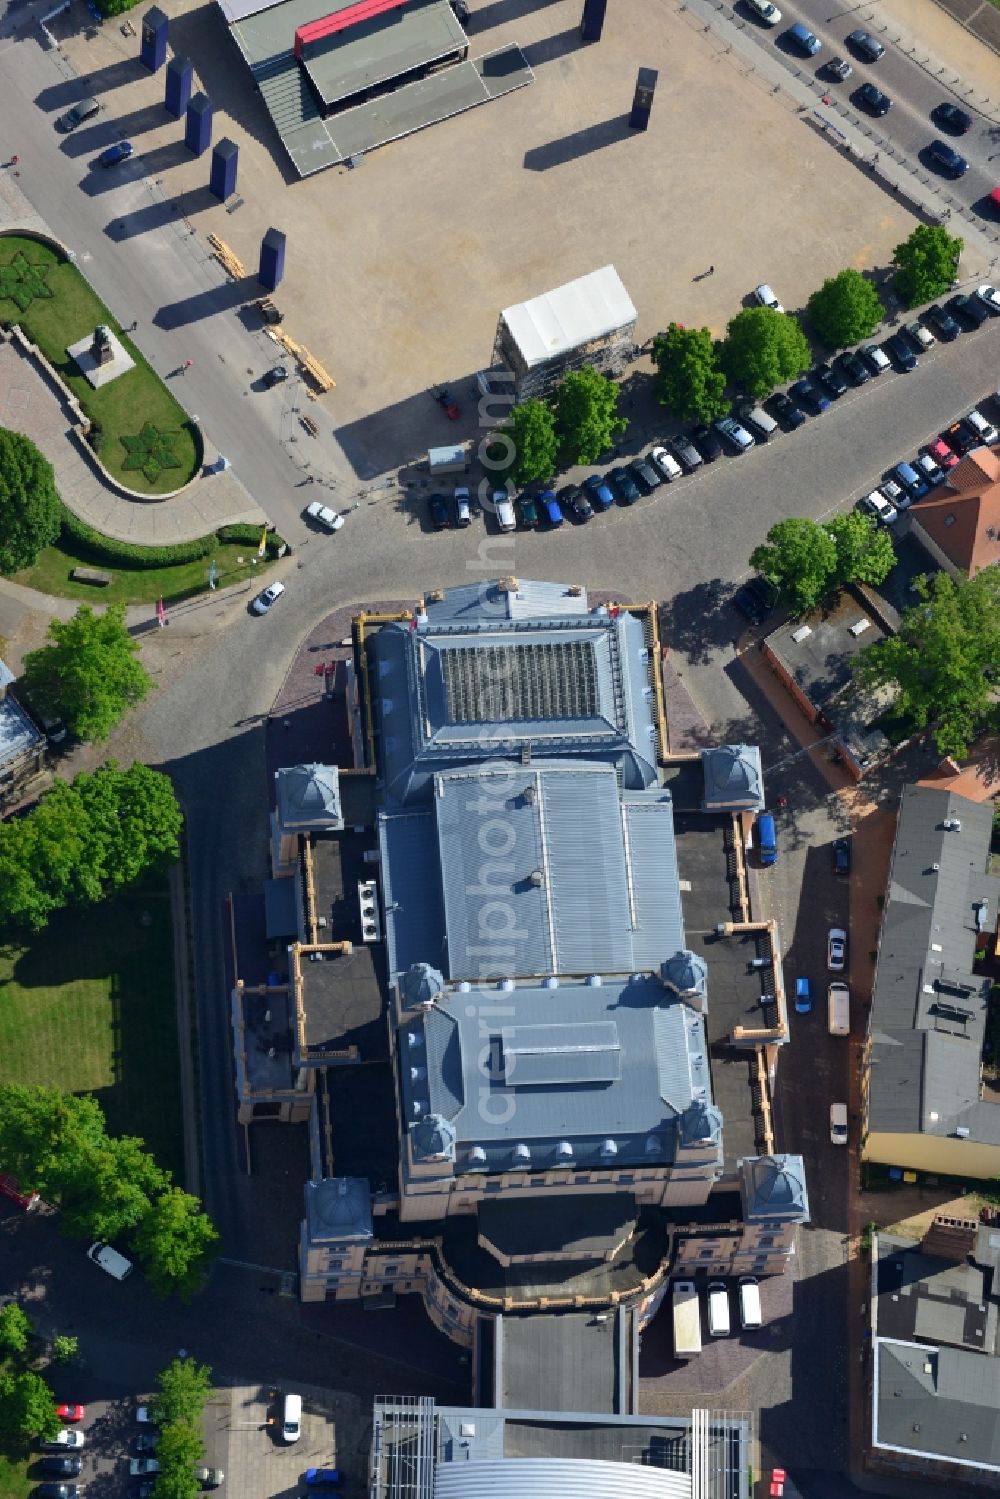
point(14, 160)
point(711, 270)
point(187, 365)
point(132, 327)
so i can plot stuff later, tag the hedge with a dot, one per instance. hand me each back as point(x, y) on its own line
point(130, 554)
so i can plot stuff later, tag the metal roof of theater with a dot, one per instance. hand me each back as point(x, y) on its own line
point(524, 871)
point(471, 687)
point(583, 1073)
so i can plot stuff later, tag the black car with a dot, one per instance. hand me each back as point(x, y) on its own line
point(786, 410)
point(943, 323)
point(866, 45)
point(57, 1491)
point(438, 508)
point(971, 311)
point(621, 480)
point(842, 856)
point(854, 367)
point(950, 117)
point(816, 401)
point(947, 158)
point(900, 352)
point(708, 443)
point(872, 99)
point(960, 438)
point(830, 380)
point(645, 475)
point(575, 502)
point(755, 599)
point(62, 1467)
point(687, 454)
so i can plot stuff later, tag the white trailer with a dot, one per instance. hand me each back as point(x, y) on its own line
point(687, 1319)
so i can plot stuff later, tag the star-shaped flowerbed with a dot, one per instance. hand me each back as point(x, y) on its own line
point(150, 450)
point(23, 282)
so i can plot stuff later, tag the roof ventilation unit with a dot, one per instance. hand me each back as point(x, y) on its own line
point(860, 626)
point(802, 633)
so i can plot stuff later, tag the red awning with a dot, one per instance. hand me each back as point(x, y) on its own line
point(342, 20)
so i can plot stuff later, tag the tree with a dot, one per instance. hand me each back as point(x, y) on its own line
point(89, 675)
point(65, 1348)
point(926, 264)
point(178, 1452)
point(864, 549)
point(185, 1387)
point(27, 1407)
point(174, 1243)
point(30, 508)
point(763, 349)
point(944, 659)
point(801, 558)
point(586, 412)
point(689, 382)
point(136, 814)
point(845, 309)
point(15, 1329)
point(532, 430)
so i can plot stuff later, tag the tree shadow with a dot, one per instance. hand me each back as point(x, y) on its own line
point(696, 622)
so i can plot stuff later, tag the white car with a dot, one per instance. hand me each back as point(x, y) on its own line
point(838, 1123)
point(666, 464)
point(928, 469)
point(263, 601)
point(984, 430)
point(765, 11)
point(877, 505)
point(70, 1440)
point(503, 509)
point(143, 1417)
point(836, 950)
point(876, 359)
point(324, 516)
point(990, 297)
point(766, 298)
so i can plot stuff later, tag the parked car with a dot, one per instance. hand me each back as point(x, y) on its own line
point(324, 516)
point(929, 470)
point(139, 1467)
point(10, 1187)
point(756, 599)
point(787, 411)
point(873, 100)
point(85, 110)
point(853, 367)
point(803, 997)
point(942, 322)
point(836, 949)
point(758, 422)
point(921, 336)
point(900, 352)
point(941, 454)
point(830, 380)
point(209, 1478)
point(626, 486)
point(766, 298)
point(57, 1491)
point(950, 117)
point(910, 481)
point(530, 517)
point(947, 158)
point(876, 359)
point(644, 474)
point(735, 434)
point(112, 155)
point(838, 1123)
point(765, 11)
point(968, 310)
point(550, 508)
point(687, 453)
point(437, 507)
point(960, 438)
point(63, 1440)
point(708, 443)
point(842, 856)
point(840, 69)
point(894, 492)
point(807, 395)
point(322, 1477)
point(601, 496)
point(144, 1488)
point(870, 48)
point(803, 40)
point(666, 464)
point(462, 506)
point(503, 509)
point(146, 1441)
point(574, 502)
point(877, 505)
point(990, 298)
point(984, 430)
point(276, 375)
point(71, 1412)
point(62, 1467)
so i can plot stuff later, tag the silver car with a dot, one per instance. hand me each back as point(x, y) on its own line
point(734, 433)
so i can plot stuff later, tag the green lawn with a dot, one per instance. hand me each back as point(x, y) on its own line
point(88, 1006)
point(14, 1480)
point(137, 585)
point(122, 407)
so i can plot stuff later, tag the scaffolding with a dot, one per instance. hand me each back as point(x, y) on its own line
point(590, 321)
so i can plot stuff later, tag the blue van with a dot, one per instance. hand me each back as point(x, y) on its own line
point(802, 38)
point(767, 839)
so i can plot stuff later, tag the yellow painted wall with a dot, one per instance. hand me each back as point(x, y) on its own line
point(941, 1156)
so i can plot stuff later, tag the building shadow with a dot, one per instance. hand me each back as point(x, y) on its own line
point(580, 143)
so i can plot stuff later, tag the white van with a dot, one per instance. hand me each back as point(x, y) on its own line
point(291, 1418)
point(838, 1007)
point(750, 1316)
point(110, 1260)
point(718, 1309)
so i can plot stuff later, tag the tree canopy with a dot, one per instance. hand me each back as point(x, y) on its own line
point(690, 381)
point(800, 557)
point(944, 661)
point(845, 309)
point(89, 675)
point(85, 839)
point(926, 264)
point(586, 413)
point(185, 1387)
point(26, 1407)
point(763, 349)
point(15, 1329)
point(178, 1453)
point(30, 508)
point(864, 549)
point(532, 430)
point(175, 1242)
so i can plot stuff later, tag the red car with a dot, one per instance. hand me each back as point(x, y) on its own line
point(70, 1412)
point(941, 453)
point(11, 1187)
